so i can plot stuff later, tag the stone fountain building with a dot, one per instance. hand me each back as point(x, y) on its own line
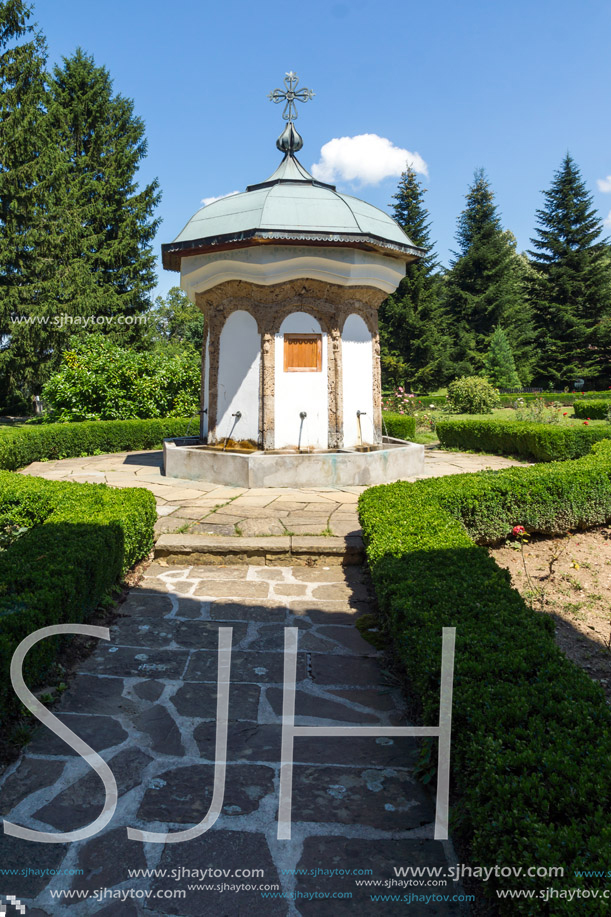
point(289, 276)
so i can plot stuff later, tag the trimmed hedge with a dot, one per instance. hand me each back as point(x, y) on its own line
point(69, 440)
point(507, 400)
point(543, 442)
point(399, 426)
point(595, 410)
point(80, 539)
point(531, 734)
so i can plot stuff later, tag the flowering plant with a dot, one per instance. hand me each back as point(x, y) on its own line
point(401, 402)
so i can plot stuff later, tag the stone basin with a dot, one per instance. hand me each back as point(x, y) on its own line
point(393, 460)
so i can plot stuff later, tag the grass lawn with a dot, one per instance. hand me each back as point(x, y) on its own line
point(425, 435)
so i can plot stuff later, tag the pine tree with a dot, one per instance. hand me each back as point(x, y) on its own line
point(499, 362)
point(571, 292)
point(108, 262)
point(414, 341)
point(29, 162)
point(485, 288)
point(75, 228)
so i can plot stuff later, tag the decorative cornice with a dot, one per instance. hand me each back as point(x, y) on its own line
point(267, 265)
point(174, 252)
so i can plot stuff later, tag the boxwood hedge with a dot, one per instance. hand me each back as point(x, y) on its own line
point(399, 426)
point(542, 442)
point(531, 733)
point(72, 543)
point(595, 410)
point(507, 400)
point(67, 440)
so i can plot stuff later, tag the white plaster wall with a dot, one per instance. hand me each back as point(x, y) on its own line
point(357, 368)
point(266, 264)
point(238, 386)
point(296, 392)
point(206, 384)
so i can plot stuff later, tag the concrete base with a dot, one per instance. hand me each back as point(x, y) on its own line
point(395, 461)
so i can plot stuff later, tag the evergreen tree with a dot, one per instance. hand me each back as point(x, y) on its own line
point(485, 286)
point(108, 263)
point(29, 162)
point(499, 362)
point(75, 229)
point(571, 292)
point(414, 341)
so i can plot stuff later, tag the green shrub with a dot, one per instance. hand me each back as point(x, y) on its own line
point(594, 410)
point(28, 444)
point(98, 380)
point(531, 733)
point(399, 426)
point(472, 395)
point(79, 539)
point(540, 441)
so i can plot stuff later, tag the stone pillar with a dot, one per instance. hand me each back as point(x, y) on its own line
point(268, 388)
point(377, 382)
point(202, 387)
point(335, 389)
point(213, 380)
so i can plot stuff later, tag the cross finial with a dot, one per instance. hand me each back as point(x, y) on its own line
point(290, 94)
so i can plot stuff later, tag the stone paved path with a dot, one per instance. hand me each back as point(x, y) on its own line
point(146, 701)
point(213, 509)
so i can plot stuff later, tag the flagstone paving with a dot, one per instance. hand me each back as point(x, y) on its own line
point(146, 700)
point(213, 509)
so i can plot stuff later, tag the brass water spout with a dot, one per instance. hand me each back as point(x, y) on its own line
point(360, 414)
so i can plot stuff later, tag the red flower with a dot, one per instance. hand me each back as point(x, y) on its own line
point(565, 413)
point(585, 423)
point(518, 530)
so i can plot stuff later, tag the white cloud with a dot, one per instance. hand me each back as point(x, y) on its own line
point(604, 184)
point(211, 200)
point(366, 158)
point(607, 222)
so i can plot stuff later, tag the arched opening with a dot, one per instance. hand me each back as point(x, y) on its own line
point(357, 373)
point(238, 378)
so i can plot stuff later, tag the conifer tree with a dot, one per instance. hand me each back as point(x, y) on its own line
point(108, 257)
point(571, 291)
point(485, 288)
point(29, 161)
point(499, 362)
point(75, 228)
point(414, 341)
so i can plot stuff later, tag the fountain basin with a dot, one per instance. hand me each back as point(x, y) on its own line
point(392, 461)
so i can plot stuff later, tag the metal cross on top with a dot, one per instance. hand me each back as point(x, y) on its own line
point(290, 95)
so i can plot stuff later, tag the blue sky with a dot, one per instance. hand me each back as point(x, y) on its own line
point(507, 86)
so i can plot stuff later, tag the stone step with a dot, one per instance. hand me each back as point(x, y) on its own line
point(281, 550)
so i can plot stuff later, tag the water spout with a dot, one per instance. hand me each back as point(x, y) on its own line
point(237, 416)
point(360, 414)
point(200, 414)
point(302, 415)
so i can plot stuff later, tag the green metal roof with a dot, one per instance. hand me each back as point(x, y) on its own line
point(289, 206)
